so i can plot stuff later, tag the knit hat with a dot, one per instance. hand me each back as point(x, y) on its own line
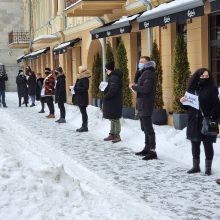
point(110, 65)
point(47, 70)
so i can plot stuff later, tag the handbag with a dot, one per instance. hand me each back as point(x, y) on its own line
point(209, 125)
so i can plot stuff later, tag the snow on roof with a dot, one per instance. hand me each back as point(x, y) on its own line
point(62, 45)
point(72, 5)
point(169, 6)
point(126, 18)
point(20, 57)
point(50, 36)
point(37, 52)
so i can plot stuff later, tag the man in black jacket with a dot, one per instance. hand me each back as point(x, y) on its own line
point(146, 91)
point(3, 78)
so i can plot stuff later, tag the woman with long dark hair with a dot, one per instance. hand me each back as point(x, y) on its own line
point(203, 85)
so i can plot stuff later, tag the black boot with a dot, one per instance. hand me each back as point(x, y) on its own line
point(208, 167)
point(146, 149)
point(84, 128)
point(196, 167)
point(151, 155)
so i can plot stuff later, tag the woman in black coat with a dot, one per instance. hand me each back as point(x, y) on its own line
point(31, 82)
point(112, 102)
point(81, 95)
point(60, 95)
point(202, 84)
point(22, 87)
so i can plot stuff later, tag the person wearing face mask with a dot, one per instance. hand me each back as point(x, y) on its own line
point(112, 102)
point(202, 84)
point(146, 92)
point(22, 89)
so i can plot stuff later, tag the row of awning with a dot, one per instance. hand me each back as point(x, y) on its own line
point(175, 11)
point(62, 48)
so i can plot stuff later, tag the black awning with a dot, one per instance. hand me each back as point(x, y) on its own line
point(20, 58)
point(121, 26)
point(175, 11)
point(215, 5)
point(62, 48)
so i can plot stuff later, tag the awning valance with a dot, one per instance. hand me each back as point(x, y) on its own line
point(120, 26)
point(62, 48)
point(175, 11)
point(35, 54)
point(215, 5)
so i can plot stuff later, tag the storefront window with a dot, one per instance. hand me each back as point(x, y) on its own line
point(138, 46)
point(215, 27)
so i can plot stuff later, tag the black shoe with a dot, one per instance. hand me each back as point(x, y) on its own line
point(41, 111)
point(142, 153)
point(196, 167)
point(5, 106)
point(62, 120)
point(58, 120)
point(32, 105)
point(82, 129)
point(208, 167)
point(152, 155)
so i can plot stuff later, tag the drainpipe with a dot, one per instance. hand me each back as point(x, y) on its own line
point(30, 30)
point(103, 44)
point(148, 5)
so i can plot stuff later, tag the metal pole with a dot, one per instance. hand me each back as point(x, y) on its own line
point(30, 31)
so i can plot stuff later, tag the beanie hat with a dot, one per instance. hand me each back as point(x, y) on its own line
point(47, 70)
point(110, 65)
point(59, 69)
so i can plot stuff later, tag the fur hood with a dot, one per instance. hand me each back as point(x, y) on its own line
point(83, 73)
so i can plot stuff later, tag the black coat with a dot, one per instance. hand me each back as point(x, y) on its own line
point(81, 97)
point(22, 86)
point(39, 85)
point(210, 105)
point(32, 81)
point(60, 94)
point(3, 78)
point(113, 98)
point(146, 91)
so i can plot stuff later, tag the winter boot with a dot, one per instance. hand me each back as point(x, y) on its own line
point(208, 167)
point(218, 181)
point(145, 151)
point(116, 139)
point(32, 105)
point(58, 120)
point(196, 167)
point(110, 137)
point(51, 116)
point(82, 129)
point(152, 155)
point(62, 120)
point(41, 111)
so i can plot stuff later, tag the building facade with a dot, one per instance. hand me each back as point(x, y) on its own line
point(10, 19)
point(69, 33)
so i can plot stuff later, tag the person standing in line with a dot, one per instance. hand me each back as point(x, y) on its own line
point(81, 97)
point(112, 102)
point(146, 92)
point(3, 78)
point(31, 82)
point(203, 85)
point(22, 89)
point(49, 91)
point(60, 95)
point(39, 97)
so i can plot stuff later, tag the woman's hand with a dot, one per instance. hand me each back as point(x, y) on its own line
point(182, 99)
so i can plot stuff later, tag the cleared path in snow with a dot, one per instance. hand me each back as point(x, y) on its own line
point(163, 185)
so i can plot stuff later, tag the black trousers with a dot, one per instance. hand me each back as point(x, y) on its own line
point(84, 116)
point(42, 104)
point(62, 109)
point(147, 128)
point(25, 100)
point(49, 101)
point(208, 147)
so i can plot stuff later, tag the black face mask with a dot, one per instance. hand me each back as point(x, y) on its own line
point(203, 81)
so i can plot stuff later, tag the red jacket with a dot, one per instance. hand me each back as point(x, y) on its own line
point(49, 85)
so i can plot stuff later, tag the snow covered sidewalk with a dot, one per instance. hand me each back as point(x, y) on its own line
point(49, 171)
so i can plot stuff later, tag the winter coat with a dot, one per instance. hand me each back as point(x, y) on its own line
point(39, 86)
point(210, 105)
point(31, 82)
point(49, 85)
point(3, 78)
point(81, 97)
point(22, 86)
point(146, 90)
point(113, 98)
point(137, 76)
point(60, 96)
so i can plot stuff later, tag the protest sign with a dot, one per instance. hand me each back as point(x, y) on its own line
point(191, 100)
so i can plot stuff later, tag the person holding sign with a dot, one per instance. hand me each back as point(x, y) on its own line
point(112, 102)
point(201, 84)
point(39, 86)
point(81, 95)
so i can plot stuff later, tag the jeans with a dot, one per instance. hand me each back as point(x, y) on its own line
point(115, 126)
point(208, 147)
point(49, 101)
point(147, 128)
point(62, 110)
point(32, 99)
point(84, 116)
point(2, 98)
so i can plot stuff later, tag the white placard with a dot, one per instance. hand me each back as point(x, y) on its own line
point(42, 93)
point(103, 86)
point(191, 100)
point(72, 90)
point(219, 90)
